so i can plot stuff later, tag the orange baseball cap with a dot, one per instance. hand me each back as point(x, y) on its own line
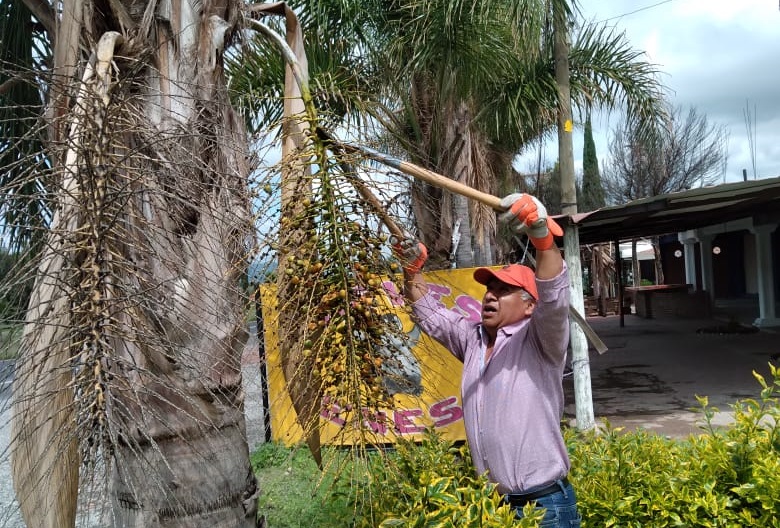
point(513, 274)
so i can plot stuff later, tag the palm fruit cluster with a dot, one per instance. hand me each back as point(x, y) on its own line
point(337, 276)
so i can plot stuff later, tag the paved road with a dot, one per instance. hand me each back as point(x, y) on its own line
point(654, 369)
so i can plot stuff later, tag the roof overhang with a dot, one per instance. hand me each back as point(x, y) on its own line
point(680, 211)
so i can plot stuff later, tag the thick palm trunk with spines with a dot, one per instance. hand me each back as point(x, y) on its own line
point(130, 381)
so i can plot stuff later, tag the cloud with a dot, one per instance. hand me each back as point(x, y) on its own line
point(719, 56)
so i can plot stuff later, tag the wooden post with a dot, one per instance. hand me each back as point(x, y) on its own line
point(619, 273)
point(580, 360)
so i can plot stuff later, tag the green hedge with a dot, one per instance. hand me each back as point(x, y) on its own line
point(722, 477)
point(431, 484)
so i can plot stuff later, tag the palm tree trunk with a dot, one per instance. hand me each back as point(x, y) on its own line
point(131, 381)
point(464, 159)
point(464, 253)
point(189, 463)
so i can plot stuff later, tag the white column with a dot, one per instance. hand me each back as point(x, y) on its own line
point(766, 280)
point(689, 240)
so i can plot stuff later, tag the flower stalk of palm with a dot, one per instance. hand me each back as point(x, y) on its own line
point(330, 281)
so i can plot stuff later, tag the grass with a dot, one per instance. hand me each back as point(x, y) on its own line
point(294, 493)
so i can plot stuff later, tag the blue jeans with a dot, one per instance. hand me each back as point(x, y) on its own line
point(561, 508)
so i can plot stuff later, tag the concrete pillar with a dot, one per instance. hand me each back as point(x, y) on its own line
point(689, 239)
point(766, 280)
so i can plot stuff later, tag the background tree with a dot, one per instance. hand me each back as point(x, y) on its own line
point(680, 152)
point(461, 88)
point(548, 189)
point(338, 36)
point(24, 50)
point(589, 199)
point(592, 189)
point(15, 297)
point(651, 158)
point(508, 108)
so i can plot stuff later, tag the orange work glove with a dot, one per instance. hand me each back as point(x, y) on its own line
point(411, 253)
point(527, 215)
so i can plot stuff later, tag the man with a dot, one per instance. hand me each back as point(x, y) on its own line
point(513, 364)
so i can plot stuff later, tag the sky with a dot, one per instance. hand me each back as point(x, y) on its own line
point(720, 56)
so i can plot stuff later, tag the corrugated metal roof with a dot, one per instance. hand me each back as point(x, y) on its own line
point(680, 211)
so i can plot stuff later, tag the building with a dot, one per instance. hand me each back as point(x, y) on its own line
point(726, 239)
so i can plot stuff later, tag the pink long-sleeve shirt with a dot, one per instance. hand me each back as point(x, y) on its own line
point(513, 402)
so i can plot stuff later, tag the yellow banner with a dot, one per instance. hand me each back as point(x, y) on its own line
point(428, 397)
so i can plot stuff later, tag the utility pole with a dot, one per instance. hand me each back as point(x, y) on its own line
point(580, 361)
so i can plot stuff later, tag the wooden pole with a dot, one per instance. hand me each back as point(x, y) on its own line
point(420, 173)
point(619, 273)
point(442, 182)
point(580, 361)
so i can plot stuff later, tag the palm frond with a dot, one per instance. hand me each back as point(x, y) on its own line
point(342, 79)
point(464, 46)
point(23, 163)
point(606, 71)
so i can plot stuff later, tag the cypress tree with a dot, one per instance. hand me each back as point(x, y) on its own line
point(592, 189)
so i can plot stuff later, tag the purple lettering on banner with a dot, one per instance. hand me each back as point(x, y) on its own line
point(396, 299)
point(465, 305)
point(446, 412)
point(438, 291)
point(468, 307)
point(331, 413)
point(404, 421)
point(376, 421)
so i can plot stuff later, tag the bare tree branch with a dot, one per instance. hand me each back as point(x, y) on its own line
point(682, 152)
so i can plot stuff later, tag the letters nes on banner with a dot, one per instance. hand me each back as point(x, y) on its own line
point(430, 395)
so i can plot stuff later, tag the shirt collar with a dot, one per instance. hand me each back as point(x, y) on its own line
point(509, 329)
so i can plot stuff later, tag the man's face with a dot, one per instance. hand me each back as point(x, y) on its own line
point(505, 304)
